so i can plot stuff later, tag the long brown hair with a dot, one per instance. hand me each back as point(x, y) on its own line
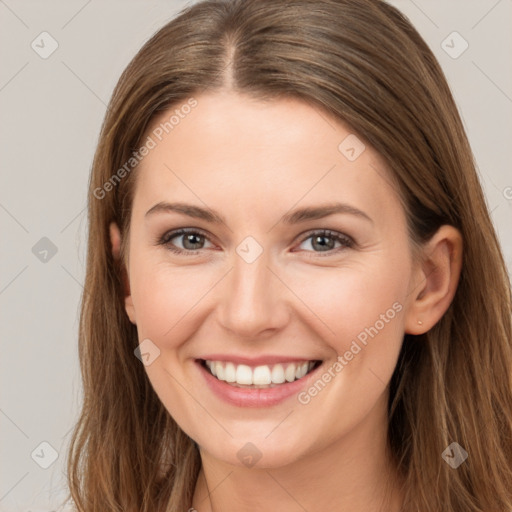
point(364, 63)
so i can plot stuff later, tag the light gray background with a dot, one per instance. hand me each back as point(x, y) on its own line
point(52, 110)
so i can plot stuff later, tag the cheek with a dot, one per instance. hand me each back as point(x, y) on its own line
point(359, 312)
point(164, 295)
point(357, 309)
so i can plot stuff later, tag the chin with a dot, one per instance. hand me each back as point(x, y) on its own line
point(256, 451)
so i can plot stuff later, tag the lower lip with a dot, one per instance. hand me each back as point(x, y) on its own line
point(254, 397)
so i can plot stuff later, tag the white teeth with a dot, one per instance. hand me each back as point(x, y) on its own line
point(219, 370)
point(289, 373)
point(278, 374)
point(260, 376)
point(230, 372)
point(243, 374)
point(301, 370)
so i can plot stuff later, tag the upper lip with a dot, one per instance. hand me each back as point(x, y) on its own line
point(256, 361)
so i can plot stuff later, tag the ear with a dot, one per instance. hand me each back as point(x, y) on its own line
point(115, 240)
point(436, 280)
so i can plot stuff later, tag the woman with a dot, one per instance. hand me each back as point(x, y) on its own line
point(295, 297)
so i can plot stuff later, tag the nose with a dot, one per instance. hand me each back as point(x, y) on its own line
point(253, 302)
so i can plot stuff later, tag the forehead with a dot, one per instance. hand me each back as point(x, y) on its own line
point(234, 151)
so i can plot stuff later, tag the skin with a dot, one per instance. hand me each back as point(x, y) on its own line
point(253, 162)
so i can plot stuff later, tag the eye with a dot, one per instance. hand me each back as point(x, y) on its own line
point(325, 241)
point(192, 240)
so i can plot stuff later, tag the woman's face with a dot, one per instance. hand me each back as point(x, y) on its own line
point(279, 286)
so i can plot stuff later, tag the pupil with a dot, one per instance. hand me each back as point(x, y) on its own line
point(190, 239)
point(323, 246)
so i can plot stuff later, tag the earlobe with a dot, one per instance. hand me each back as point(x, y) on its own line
point(436, 281)
point(129, 308)
point(115, 240)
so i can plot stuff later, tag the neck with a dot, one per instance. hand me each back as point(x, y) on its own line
point(353, 474)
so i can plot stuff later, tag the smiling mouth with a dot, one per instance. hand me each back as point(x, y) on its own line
point(259, 377)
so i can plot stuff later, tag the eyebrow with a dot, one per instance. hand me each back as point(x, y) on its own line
point(294, 217)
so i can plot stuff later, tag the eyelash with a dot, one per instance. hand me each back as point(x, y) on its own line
point(346, 241)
